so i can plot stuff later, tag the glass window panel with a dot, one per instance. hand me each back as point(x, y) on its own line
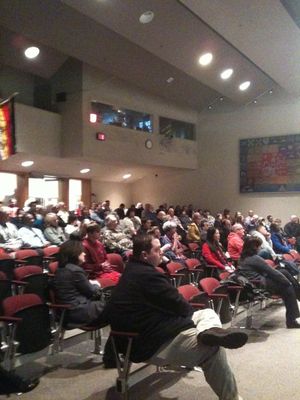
point(124, 118)
point(75, 192)
point(8, 186)
point(178, 129)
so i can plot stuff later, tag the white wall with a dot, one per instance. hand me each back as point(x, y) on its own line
point(117, 193)
point(37, 131)
point(127, 145)
point(215, 184)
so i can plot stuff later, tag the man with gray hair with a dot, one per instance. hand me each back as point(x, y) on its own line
point(292, 230)
point(236, 241)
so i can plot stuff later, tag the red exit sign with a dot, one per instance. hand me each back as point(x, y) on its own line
point(100, 136)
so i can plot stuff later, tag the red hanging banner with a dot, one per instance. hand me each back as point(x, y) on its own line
point(7, 129)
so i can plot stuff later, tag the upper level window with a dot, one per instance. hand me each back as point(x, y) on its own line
point(110, 115)
point(178, 129)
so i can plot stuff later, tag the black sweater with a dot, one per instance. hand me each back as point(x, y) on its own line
point(145, 302)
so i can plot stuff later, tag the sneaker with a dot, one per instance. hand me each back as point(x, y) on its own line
point(229, 338)
point(293, 325)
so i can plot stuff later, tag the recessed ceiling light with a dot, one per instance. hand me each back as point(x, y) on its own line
point(84, 170)
point(255, 101)
point(205, 59)
point(32, 52)
point(146, 17)
point(221, 98)
point(226, 74)
point(244, 86)
point(126, 176)
point(210, 107)
point(27, 163)
point(271, 91)
point(170, 80)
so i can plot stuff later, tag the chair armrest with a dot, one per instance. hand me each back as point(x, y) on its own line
point(21, 283)
point(49, 258)
point(19, 261)
point(218, 296)
point(235, 287)
point(123, 333)
point(198, 305)
point(10, 319)
point(59, 306)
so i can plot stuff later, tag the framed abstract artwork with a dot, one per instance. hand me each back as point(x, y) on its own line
point(270, 164)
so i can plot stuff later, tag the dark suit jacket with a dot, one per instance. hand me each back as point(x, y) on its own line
point(144, 301)
point(72, 287)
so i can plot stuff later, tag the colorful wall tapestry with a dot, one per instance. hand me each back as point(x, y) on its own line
point(7, 129)
point(270, 164)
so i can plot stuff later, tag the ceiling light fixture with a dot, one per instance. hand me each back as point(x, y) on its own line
point(27, 163)
point(85, 170)
point(271, 91)
point(226, 74)
point(244, 86)
point(32, 52)
point(146, 17)
point(126, 176)
point(170, 80)
point(205, 59)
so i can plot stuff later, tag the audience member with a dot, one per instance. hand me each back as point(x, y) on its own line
point(280, 244)
point(170, 332)
point(266, 249)
point(115, 240)
point(173, 249)
point(72, 287)
point(213, 252)
point(193, 234)
point(236, 241)
point(53, 233)
point(9, 236)
point(32, 237)
point(121, 211)
point(145, 226)
point(96, 262)
point(72, 226)
point(292, 230)
point(131, 223)
point(277, 282)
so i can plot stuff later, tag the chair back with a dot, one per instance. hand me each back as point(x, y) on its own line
point(37, 281)
point(192, 263)
point(188, 291)
point(5, 289)
point(209, 285)
point(53, 267)
point(7, 265)
point(174, 267)
point(33, 332)
point(50, 251)
point(31, 256)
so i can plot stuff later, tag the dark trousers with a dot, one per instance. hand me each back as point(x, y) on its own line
point(288, 294)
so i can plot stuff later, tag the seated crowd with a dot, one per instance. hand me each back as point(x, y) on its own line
point(173, 333)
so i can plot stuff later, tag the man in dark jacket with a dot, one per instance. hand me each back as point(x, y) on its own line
point(170, 333)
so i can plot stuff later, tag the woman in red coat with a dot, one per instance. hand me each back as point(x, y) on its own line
point(95, 256)
point(213, 252)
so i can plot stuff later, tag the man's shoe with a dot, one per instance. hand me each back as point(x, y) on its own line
point(293, 325)
point(229, 338)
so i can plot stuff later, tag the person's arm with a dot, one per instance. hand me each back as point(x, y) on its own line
point(83, 285)
point(159, 292)
point(264, 269)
